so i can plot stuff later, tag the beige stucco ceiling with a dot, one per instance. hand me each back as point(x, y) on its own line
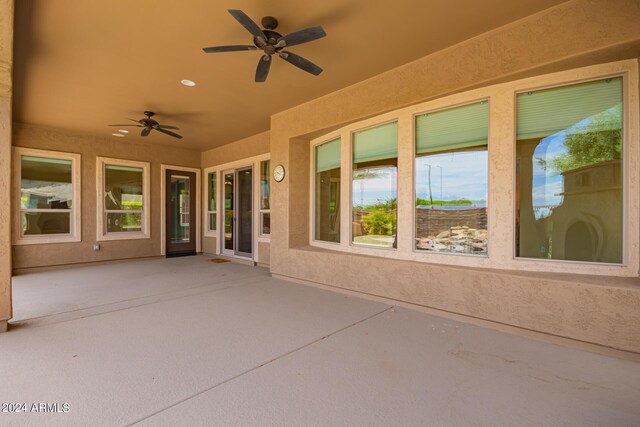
point(81, 65)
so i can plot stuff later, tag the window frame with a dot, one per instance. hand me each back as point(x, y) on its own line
point(625, 152)
point(502, 180)
point(260, 210)
point(101, 232)
point(414, 117)
point(75, 213)
point(208, 231)
point(351, 141)
point(312, 190)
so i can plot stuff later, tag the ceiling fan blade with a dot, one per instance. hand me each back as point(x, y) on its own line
point(133, 120)
point(168, 132)
point(248, 23)
point(300, 62)
point(134, 126)
point(302, 36)
point(263, 68)
point(232, 48)
point(145, 131)
point(167, 127)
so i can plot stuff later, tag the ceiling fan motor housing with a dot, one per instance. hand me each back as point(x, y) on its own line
point(269, 22)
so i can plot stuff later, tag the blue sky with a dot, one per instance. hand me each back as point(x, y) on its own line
point(464, 176)
point(459, 175)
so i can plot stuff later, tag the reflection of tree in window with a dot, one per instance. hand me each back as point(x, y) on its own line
point(123, 198)
point(374, 186)
point(569, 173)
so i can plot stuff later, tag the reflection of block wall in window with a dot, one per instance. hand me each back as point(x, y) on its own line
point(451, 179)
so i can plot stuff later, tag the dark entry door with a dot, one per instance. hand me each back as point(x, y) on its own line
point(180, 213)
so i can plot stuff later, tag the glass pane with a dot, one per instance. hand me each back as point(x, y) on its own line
point(228, 210)
point(213, 218)
point(245, 211)
point(123, 222)
point(212, 194)
point(327, 206)
point(375, 186)
point(266, 222)
point(45, 183)
point(451, 202)
point(451, 180)
point(265, 167)
point(123, 188)
point(180, 209)
point(34, 223)
point(569, 173)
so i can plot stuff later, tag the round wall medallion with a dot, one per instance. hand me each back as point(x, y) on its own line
point(278, 173)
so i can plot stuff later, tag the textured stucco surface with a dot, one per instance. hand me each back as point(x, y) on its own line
point(25, 256)
point(603, 311)
point(6, 66)
point(248, 147)
point(264, 253)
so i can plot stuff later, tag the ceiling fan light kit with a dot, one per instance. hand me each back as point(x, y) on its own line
point(272, 43)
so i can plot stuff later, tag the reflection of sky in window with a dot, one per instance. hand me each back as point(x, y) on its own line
point(548, 185)
point(457, 175)
point(381, 188)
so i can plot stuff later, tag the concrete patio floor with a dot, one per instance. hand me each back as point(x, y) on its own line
point(183, 341)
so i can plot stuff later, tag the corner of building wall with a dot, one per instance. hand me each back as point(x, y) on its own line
point(6, 121)
point(299, 149)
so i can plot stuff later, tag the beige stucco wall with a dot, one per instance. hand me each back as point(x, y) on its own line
point(264, 253)
point(600, 310)
point(252, 146)
point(26, 256)
point(6, 67)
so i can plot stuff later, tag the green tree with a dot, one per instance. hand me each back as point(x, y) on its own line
point(599, 140)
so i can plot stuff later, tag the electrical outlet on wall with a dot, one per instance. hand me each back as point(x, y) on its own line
point(96, 247)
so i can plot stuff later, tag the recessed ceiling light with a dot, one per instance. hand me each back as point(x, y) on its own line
point(188, 82)
point(118, 134)
point(123, 131)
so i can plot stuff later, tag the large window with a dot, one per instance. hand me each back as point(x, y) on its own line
point(569, 192)
point(265, 197)
point(123, 199)
point(327, 191)
point(212, 213)
point(49, 196)
point(451, 173)
point(374, 192)
point(539, 174)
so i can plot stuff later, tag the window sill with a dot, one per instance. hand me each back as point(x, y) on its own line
point(43, 240)
point(123, 236)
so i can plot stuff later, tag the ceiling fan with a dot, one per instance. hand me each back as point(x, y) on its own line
point(272, 42)
point(148, 124)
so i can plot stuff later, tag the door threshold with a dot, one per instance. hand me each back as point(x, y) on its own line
point(238, 259)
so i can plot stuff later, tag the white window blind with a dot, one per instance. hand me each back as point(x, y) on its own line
point(376, 143)
point(328, 156)
point(460, 127)
point(546, 112)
